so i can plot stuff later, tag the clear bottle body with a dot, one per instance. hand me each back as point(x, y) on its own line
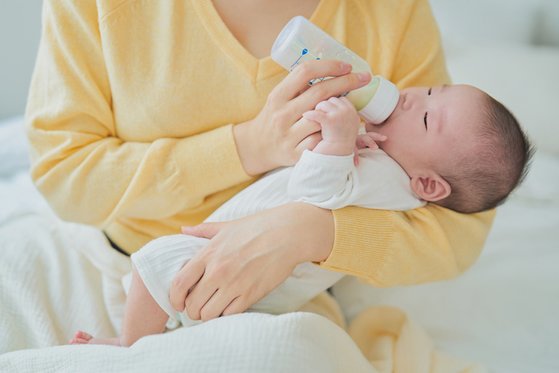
point(301, 40)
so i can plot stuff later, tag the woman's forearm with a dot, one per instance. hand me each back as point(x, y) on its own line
point(315, 231)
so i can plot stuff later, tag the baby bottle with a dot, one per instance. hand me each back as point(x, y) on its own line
point(301, 40)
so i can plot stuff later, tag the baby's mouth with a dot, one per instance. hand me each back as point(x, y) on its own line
point(399, 105)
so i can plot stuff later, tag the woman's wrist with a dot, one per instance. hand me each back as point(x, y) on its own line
point(249, 149)
point(317, 232)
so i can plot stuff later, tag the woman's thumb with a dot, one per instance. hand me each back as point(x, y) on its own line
point(204, 230)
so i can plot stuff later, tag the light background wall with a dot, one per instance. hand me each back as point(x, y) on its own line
point(535, 21)
point(20, 29)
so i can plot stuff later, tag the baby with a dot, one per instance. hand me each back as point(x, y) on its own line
point(451, 145)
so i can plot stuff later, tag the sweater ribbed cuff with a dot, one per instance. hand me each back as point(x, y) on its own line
point(362, 241)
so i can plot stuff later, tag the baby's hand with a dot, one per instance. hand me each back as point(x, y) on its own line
point(367, 140)
point(339, 124)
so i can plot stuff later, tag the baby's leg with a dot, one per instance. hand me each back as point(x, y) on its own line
point(142, 317)
point(147, 306)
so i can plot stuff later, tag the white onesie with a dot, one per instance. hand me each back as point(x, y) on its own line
point(326, 181)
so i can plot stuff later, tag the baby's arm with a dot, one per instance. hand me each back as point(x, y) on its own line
point(327, 177)
point(333, 182)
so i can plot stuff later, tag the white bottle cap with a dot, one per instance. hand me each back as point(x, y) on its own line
point(383, 102)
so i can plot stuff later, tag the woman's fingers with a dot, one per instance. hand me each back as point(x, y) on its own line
point(298, 80)
point(215, 306)
point(304, 127)
point(309, 143)
point(326, 89)
point(198, 297)
point(184, 280)
point(237, 305)
point(204, 230)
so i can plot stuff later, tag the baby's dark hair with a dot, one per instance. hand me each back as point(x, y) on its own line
point(503, 152)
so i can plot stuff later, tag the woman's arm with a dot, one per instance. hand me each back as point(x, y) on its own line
point(91, 175)
point(394, 248)
point(249, 257)
point(87, 173)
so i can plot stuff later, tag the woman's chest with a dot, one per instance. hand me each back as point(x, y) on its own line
point(174, 82)
point(256, 23)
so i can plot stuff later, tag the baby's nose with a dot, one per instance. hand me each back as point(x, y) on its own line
point(404, 103)
point(412, 98)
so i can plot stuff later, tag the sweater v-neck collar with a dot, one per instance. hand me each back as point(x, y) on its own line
point(257, 68)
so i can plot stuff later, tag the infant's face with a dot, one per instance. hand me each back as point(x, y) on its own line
point(429, 124)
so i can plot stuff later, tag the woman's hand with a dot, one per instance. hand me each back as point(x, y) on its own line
point(274, 139)
point(249, 257)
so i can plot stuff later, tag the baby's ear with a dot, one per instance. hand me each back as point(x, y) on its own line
point(430, 186)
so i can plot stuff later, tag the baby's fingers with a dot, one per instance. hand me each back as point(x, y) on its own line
point(365, 141)
point(315, 115)
point(327, 106)
point(376, 136)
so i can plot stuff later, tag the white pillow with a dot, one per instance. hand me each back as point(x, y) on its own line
point(523, 78)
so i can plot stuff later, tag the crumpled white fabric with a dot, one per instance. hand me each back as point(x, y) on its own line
point(58, 277)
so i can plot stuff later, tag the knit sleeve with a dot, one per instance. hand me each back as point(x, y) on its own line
point(390, 248)
point(86, 172)
point(394, 248)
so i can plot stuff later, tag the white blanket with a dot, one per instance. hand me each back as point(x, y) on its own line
point(49, 289)
point(53, 282)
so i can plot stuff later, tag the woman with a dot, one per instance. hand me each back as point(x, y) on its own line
point(147, 115)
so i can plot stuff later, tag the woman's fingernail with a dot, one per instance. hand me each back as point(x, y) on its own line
point(363, 76)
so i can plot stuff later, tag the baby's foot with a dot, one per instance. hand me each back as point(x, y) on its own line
point(81, 338)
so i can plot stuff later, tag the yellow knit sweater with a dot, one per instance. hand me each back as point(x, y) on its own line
point(130, 119)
